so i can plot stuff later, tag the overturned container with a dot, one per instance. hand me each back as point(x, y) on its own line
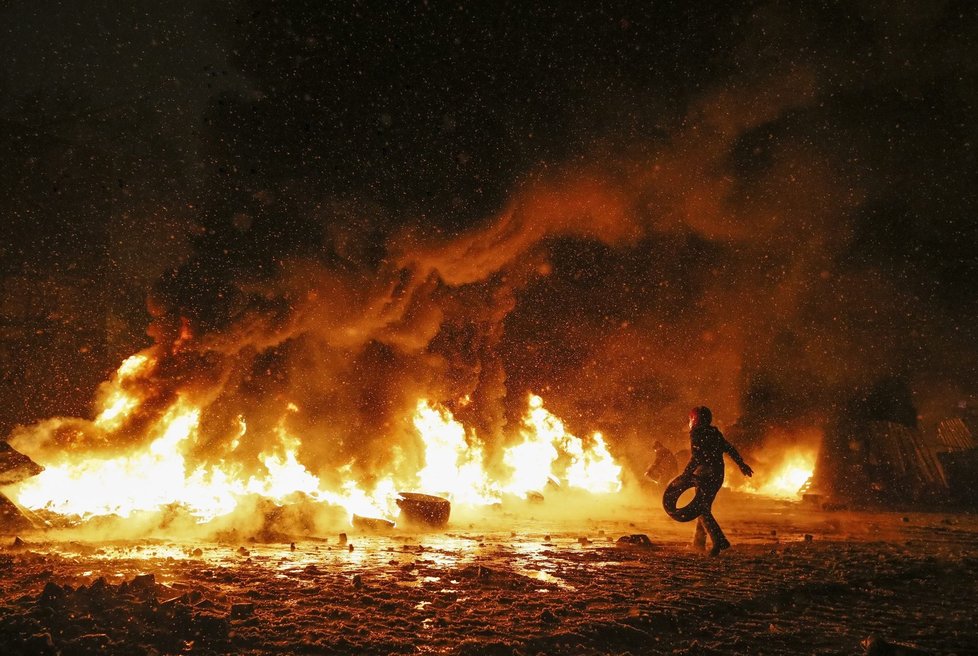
point(423, 509)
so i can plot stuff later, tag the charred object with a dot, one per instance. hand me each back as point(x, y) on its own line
point(424, 510)
point(635, 541)
point(14, 468)
point(12, 520)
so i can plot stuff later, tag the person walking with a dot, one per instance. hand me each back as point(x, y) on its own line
point(707, 446)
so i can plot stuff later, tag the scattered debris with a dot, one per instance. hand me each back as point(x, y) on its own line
point(635, 541)
point(39, 643)
point(243, 552)
point(561, 600)
point(477, 572)
point(143, 582)
point(100, 617)
point(51, 592)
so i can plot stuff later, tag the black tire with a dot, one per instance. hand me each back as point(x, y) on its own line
point(423, 509)
point(671, 496)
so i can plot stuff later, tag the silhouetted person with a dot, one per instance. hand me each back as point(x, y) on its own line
point(664, 466)
point(707, 446)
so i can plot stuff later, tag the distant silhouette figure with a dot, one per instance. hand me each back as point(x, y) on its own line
point(664, 465)
point(705, 472)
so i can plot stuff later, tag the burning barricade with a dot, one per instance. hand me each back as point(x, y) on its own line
point(147, 454)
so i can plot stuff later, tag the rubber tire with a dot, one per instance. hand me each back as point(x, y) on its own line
point(670, 497)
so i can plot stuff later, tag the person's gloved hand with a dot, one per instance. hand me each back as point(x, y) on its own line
point(746, 470)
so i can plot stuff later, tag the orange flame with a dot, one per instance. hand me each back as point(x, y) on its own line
point(117, 402)
point(453, 459)
point(157, 474)
point(789, 472)
point(547, 446)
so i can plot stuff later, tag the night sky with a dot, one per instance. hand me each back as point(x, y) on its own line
point(630, 208)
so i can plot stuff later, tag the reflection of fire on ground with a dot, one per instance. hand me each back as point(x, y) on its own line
point(523, 588)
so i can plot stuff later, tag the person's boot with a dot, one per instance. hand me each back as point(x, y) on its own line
point(724, 543)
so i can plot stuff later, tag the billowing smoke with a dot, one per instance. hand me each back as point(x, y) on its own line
point(354, 349)
point(776, 238)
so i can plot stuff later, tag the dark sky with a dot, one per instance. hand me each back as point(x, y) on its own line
point(637, 207)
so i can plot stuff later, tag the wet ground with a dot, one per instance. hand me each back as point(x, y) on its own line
point(797, 581)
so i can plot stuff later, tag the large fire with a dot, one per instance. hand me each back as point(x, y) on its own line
point(158, 473)
point(159, 466)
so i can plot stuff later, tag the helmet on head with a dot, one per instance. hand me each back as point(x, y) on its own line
point(700, 416)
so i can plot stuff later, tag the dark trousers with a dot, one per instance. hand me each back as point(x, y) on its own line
point(706, 523)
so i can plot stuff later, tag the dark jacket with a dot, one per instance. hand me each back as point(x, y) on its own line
point(707, 446)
